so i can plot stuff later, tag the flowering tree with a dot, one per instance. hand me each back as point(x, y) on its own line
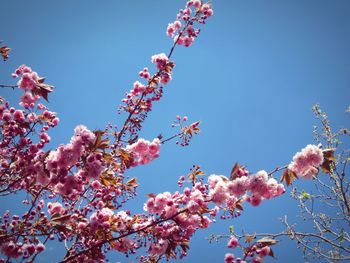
point(78, 192)
point(327, 209)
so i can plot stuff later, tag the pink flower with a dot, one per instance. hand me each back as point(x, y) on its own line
point(55, 208)
point(160, 60)
point(28, 100)
point(238, 186)
point(10, 249)
point(28, 81)
point(96, 185)
point(265, 251)
point(40, 247)
point(19, 116)
point(197, 3)
point(159, 248)
point(306, 162)
point(207, 10)
point(123, 244)
point(229, 258)
point(21, 70)
point(144, 73)
point(138, 88)
point(170, 30)
point(257, 260)
point(144, 151)
point(219, 194)
point(233, 242)
point(83, 135)
point(99, 218)
point(255, 200)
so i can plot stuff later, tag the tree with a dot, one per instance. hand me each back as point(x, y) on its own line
point(326, 208)
point(85, 178)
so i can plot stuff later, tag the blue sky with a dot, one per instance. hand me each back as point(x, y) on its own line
point(251, 77)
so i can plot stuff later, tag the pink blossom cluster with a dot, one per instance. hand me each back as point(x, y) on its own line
point(186, 209)
point(95, 165)
point(159, 248)
point(61, 160)
point(189, 208)
point(29, 79)
point(182, 30)
point(259, 186)
point(101, 218)
point(160, 60)
point(138, 88)
point(256, 253)
point(145, 73)
point(33, 86)
point(16, 250)
point(233, 242)
point(28, 100)
point(20, 153)
point(29, 245)
point(164, 66)
point(55, 208)
point(187, 132)
point(139, 101)
point(144, 151)
point(305, 163)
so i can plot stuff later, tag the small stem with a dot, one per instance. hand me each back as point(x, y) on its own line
point(169, 139)
point(277, 169)
point(8, 86)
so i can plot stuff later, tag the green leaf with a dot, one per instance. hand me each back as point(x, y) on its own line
point(232, 229)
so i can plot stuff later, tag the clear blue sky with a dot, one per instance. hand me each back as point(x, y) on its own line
point(251, 77)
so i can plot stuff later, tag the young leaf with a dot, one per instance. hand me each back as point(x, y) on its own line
point(58, 219)
point(238, 204)
point(267, 241)
point(288, 176)
point(328, 155)
point(249, 238)
point(132, 183)
point(232, 229)
point(234, 170)
point(108, 179)
point(4, 52)
point(151, 195)
point(195, 172)
point(43, 89)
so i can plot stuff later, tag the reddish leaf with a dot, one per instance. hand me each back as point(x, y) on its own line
point(267, 241)
point(108, 179)
point(151, 195)
point(99, 142)
point(58, 219)
point(126, 158)
point(288, 176)
point(98, 135)
point(184, 245)
point(195, 172)
point(132, 183)
point(4, 52)
point(43, 89)
point(234, 170)
point(328, 155)
point(249, 238)
point(238, 204)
